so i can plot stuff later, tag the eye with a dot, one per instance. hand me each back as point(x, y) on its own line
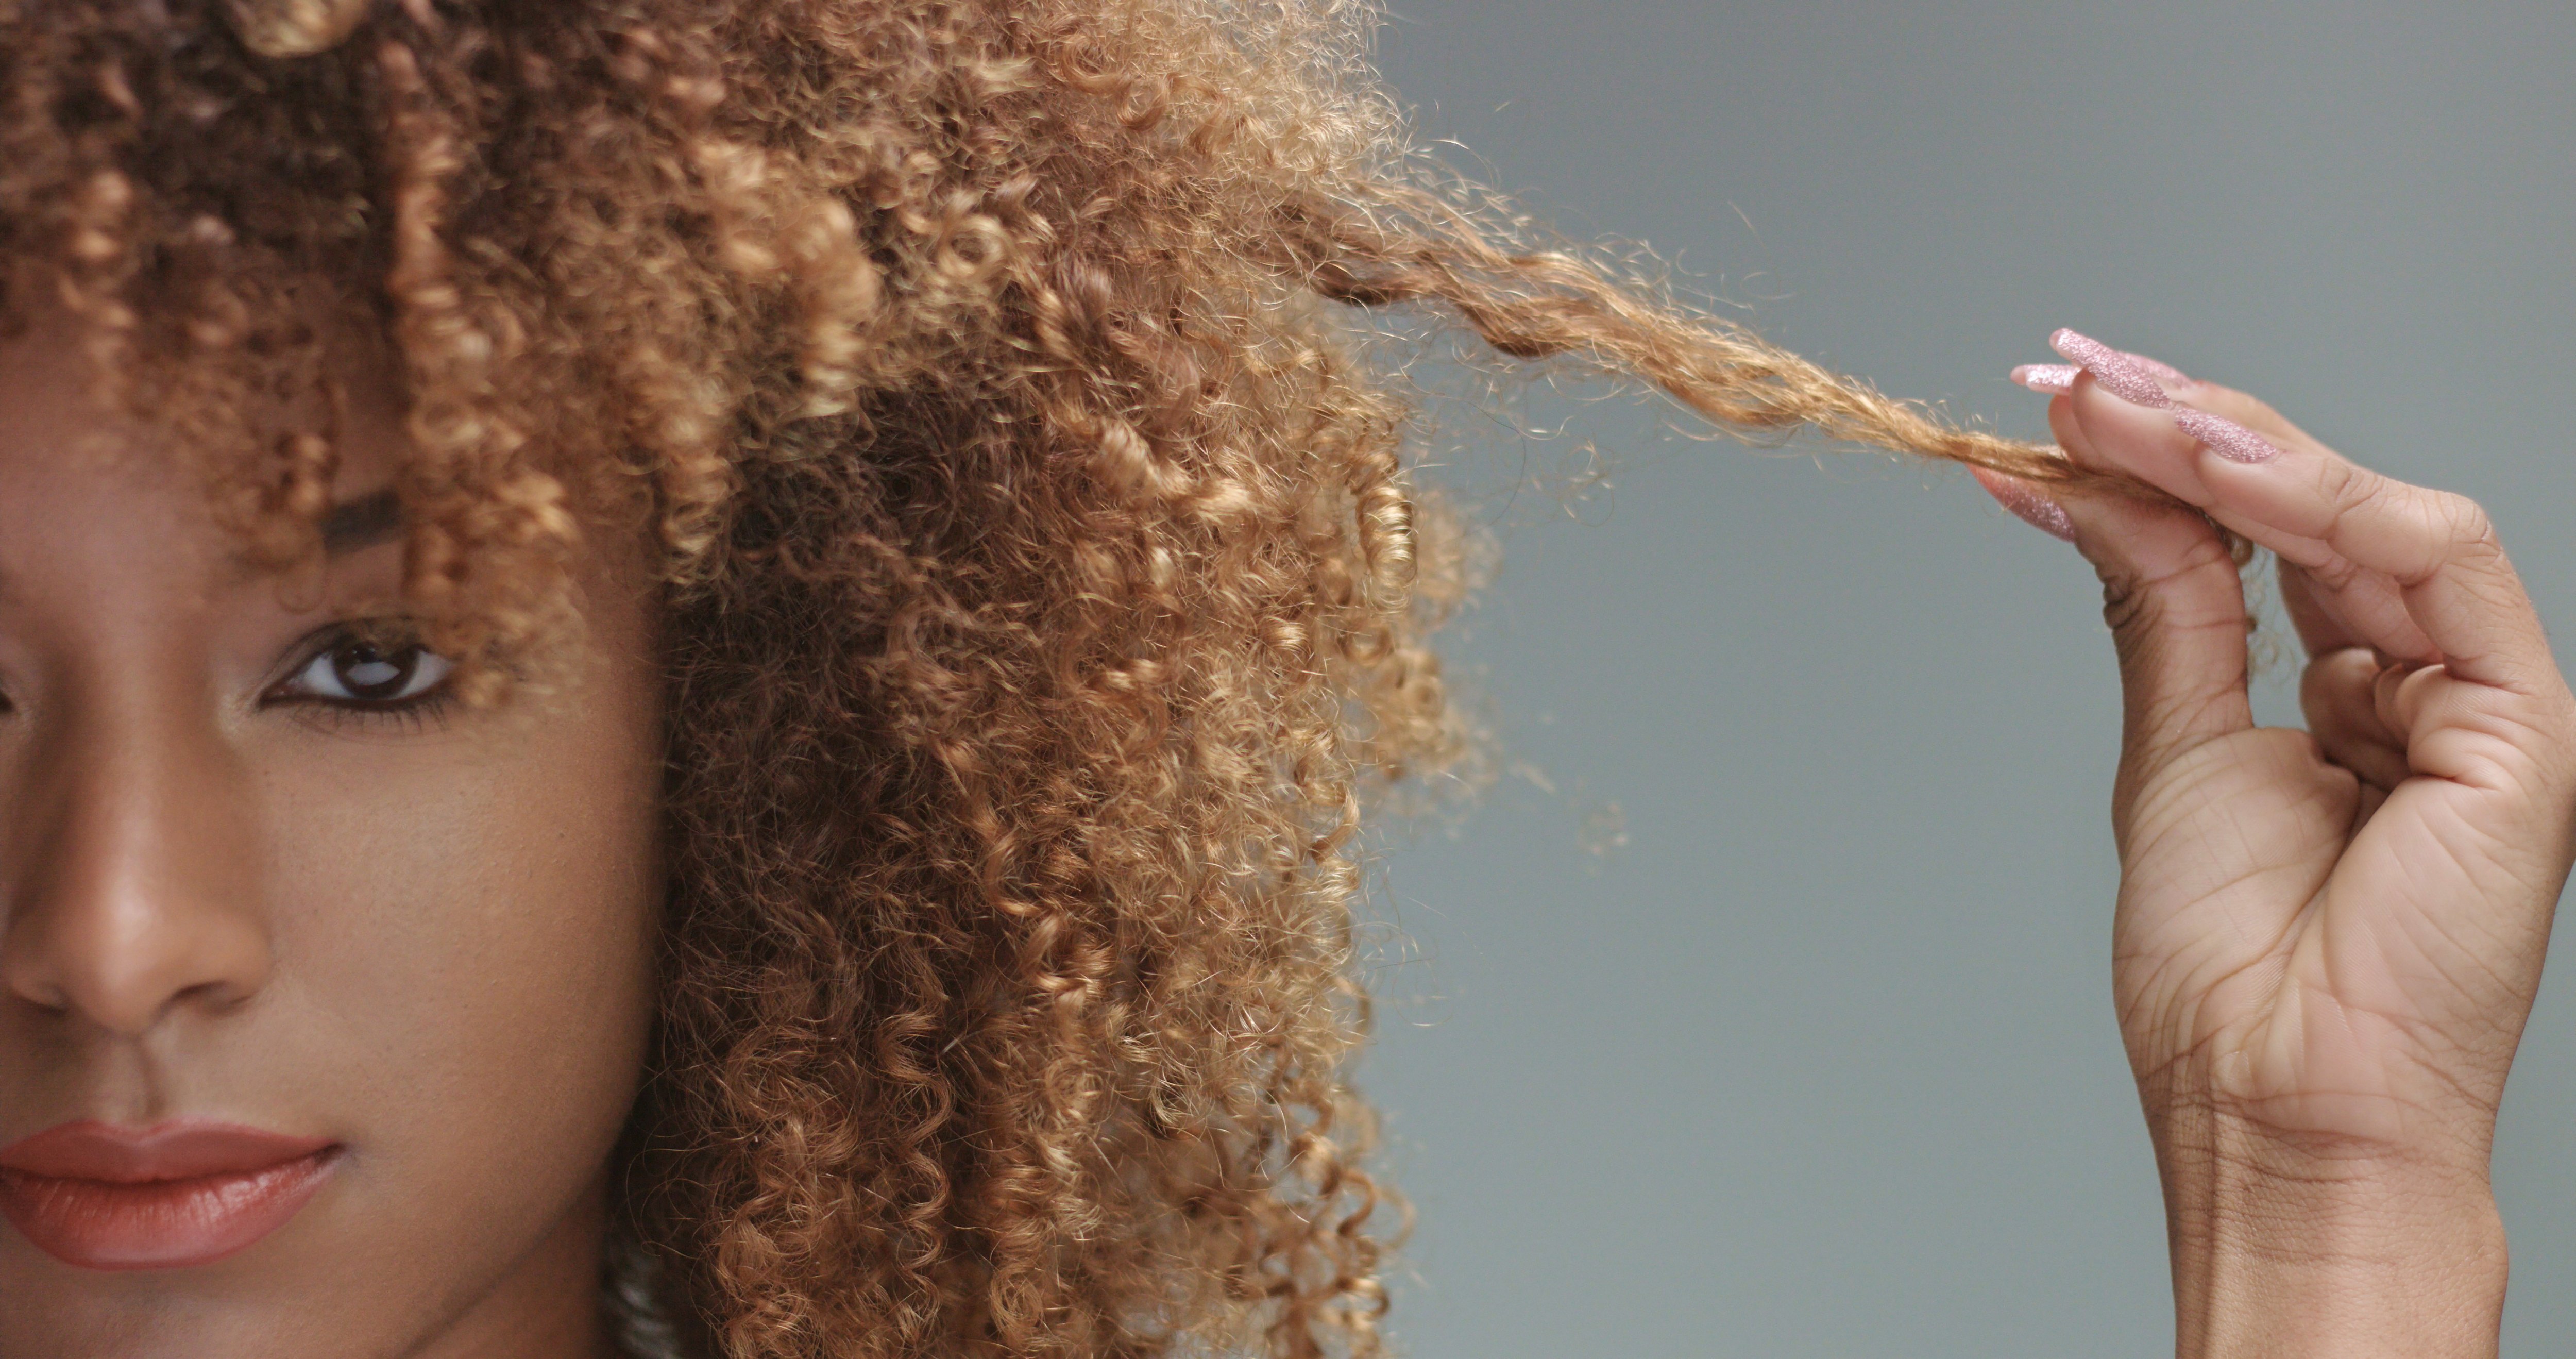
point(367, 674)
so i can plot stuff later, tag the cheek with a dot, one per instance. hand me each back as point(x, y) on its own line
point(465, 920)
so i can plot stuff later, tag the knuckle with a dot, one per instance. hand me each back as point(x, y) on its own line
point(2346, 674)
point(2125, 600)
point(2349, 485)
point(2202, 590)
point(2335, 574)
point(2463, 521)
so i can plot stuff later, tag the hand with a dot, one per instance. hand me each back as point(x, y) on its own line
point(2327, 941)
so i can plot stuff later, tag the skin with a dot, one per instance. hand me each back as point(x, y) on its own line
point(427, 934)
point(2327, 941)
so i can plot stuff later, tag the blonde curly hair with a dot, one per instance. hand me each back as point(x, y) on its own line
point(1045, 588)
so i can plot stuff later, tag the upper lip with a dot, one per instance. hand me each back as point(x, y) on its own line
point(181, 1149)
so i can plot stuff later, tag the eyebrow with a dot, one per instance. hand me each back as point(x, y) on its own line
point(361, 523)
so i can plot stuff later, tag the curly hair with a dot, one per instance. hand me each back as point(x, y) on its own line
point(1045, 590)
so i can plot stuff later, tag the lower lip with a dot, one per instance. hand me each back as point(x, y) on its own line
point(163, 1224)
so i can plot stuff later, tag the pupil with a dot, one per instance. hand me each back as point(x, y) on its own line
point(368, 673)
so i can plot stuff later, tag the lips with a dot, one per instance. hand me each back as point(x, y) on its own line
point(169, 1196)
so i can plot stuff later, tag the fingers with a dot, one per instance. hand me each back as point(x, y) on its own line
point(2182, 656)
point(2168, 464)
point(2352, 606)
point(2436, 553)
point(2348, 714)
point(2401, 593)
point(2320, 630)
point(2478, 735)
point(2322, 613)
point(2415, 573)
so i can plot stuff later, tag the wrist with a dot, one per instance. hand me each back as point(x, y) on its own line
point(2286, 1251)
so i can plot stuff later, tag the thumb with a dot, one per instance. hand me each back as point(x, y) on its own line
point(2176, 607)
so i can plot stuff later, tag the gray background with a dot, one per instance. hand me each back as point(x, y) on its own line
point(1820, 1061)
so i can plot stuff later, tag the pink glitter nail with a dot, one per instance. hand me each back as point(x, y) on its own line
point(2027, 504)
point(2119, 374)
point(2163, 372)
point(2051, 379)
point(2225, 437)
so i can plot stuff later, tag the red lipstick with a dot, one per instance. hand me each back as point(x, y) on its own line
point(168, 1196)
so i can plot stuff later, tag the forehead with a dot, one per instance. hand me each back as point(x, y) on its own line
point(82, 481)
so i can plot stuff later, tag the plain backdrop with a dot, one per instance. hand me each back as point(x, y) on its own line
point(1761, 1007)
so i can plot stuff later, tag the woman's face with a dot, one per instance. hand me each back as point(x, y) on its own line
point(321, 1000)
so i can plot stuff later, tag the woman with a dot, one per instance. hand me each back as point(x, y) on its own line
point(743, 639)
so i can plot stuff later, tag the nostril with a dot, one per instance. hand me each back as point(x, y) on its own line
point(27, 980)
point(215, 997)
point(134, 898)
point(47, 1001)
point(127, 968)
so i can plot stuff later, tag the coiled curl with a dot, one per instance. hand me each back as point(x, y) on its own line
point(296, 28)
point(1046, 593)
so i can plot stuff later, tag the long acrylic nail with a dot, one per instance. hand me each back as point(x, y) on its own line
point(2048, 379)
point(2225, 437)
point(2162, 371)
point(2027, 504)
point(2119, 375)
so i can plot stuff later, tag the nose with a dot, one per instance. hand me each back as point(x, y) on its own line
point(134, 894)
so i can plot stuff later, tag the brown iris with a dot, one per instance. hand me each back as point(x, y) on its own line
point(373, 673)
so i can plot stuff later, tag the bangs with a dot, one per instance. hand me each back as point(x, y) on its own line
point(234, 240)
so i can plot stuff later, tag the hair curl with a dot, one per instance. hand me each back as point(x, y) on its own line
point(1045, 587)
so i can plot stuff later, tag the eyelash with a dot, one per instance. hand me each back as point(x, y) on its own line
point(412, 714)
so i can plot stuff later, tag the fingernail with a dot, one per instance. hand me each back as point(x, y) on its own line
point(2050, 379)
point(2160, 370)
point(2119, 374)
point(2027, 504)
point(2225, 437)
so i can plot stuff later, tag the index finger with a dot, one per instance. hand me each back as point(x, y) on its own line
point(2319, 630)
